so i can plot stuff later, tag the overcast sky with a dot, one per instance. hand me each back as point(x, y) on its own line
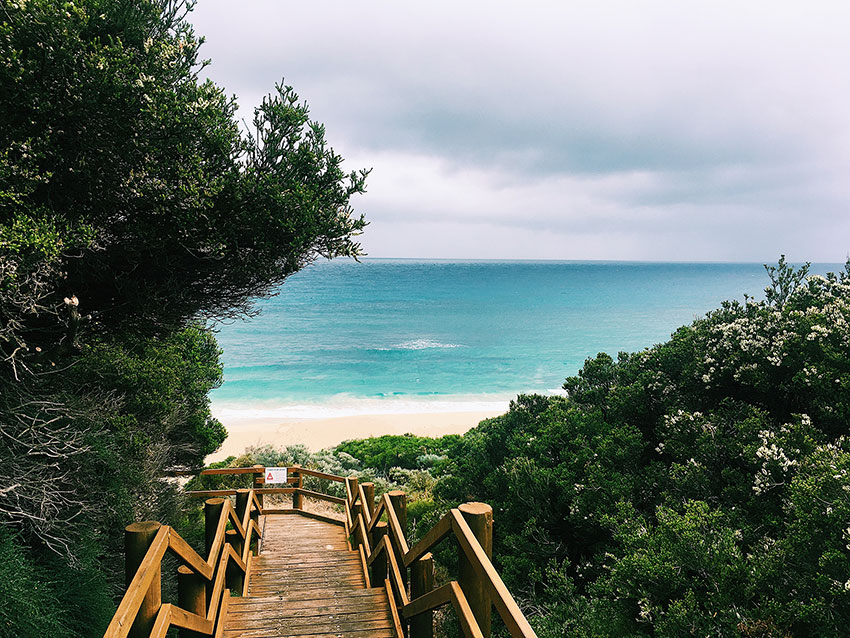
point(705, 131)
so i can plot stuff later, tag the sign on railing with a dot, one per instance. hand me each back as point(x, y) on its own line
point(276, 475)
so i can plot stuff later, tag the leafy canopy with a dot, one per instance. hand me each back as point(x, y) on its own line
point(128, 184)
point(133, 208)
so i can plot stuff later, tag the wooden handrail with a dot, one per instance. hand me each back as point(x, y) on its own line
point(232, 492)
point(188, 620)
point(395, 573)
point(394, 545)
point(122, 621)
point(396, 531)
point(365, 565)
point(464, 613)
point(437, 533)
point(322, 475)
point(189, 556)
point(213, 570)
point(454, 524)
point(219, 471)
point(364, 508)
point(506, 605)
point(399, 630)
point(360, 526)
point(428, 602)
point(379, 511)
point(320, 496)
point(233, 470)
point(162, 622)
point(391, 552)
point(234, 519)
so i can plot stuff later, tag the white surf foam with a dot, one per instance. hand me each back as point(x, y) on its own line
point(422, 344)
point(349, 406)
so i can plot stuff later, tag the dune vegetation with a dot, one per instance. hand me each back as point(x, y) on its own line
point(698, 487)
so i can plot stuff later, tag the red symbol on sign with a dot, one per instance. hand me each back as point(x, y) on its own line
point(269, 477)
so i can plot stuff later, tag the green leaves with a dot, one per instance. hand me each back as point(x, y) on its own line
point(699, 487)
point(132, 208)
point(784, 281)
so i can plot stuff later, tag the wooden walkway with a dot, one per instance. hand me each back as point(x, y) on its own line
point(307, 582)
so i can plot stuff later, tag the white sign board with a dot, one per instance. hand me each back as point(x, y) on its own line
point(275, 475)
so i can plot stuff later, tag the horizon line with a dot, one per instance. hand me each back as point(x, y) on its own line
point(579, 261)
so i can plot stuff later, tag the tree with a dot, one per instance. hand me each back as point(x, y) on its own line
point(133, 209)
point(132, 179)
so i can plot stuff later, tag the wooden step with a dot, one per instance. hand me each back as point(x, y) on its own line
point(306, 582)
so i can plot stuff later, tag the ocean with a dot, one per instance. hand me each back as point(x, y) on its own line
point(394, 336)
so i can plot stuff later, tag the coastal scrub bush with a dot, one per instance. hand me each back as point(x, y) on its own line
point(404, 451)
point(699, 487)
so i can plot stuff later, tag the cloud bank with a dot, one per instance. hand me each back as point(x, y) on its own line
point(610, 130)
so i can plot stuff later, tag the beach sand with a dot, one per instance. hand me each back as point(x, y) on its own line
point(319, 433)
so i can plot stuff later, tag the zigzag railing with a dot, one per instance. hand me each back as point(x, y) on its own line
point(204, 585)
point(378, 531)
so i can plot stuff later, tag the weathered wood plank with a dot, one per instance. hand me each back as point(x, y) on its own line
point(242, 614)
point(313, 629)
point(314, 617)
point(306, 598)
point(307, 582)
point(369, 633)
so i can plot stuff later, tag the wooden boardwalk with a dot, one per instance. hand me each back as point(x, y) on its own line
point(306, 581)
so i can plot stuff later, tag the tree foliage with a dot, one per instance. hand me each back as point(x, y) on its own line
point(132, 210)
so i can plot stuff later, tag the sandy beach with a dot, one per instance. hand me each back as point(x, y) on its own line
point(318, 433)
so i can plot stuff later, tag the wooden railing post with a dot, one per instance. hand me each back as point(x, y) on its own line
point(421, 582)
point(212, 512)
point(259, 481)
point(137, 539)
point(297, 503)
point(234, 577)
point(351, 482)
point(369, 497)
point(479, 517)
point(379, 565)
point(398, 500)
point(191, 596)
point(242, 503)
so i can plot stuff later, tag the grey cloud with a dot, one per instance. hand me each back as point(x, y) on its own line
point(734, 116)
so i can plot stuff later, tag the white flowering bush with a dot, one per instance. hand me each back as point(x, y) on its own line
point(699, 487)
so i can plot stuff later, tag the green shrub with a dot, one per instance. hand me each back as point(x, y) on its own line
point(699, 487)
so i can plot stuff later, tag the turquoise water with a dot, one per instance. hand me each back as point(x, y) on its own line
point(379, 335)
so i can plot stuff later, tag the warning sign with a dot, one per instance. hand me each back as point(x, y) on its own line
point(275, 475)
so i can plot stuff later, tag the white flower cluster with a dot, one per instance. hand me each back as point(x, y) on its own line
point(757, 335)
point(645, 613)
point(773, 458)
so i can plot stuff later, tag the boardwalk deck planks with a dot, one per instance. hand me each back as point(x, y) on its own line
point(306, 582)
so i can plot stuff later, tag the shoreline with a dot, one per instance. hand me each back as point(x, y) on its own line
point(321, 432)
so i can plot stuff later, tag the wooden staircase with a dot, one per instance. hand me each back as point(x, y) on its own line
point(347, 573)
point(306, 581)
